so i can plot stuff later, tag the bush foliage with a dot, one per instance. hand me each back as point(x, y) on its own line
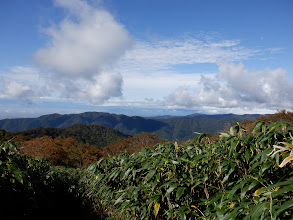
point(229, 178)
point(33, 189)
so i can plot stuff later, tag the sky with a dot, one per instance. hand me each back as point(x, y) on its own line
point(145, 57)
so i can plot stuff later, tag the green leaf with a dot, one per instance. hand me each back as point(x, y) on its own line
point(171, 189)
point(127, 173)
point(233, 146)
point(259, 210)
point(232, 131)
point(224, 135)
point(170, 213)
point(285, 206)
point(150, 175)
point(180, 191)
point(258, 126)
point(164, 159)
point(232, 192)
point(174, 162)
point(120, 199)
point(231, 215)
point(147, 165)
point(181, 214)
point(247, 154)
point(185, 160)
point(227, 176)
point(283, 191)
point(114, 174)
point(18, 176)
point(243, 191)
point(265, 166)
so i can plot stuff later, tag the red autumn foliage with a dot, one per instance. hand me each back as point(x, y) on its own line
point(65, 152)
point(281, 115)
point(133, 144)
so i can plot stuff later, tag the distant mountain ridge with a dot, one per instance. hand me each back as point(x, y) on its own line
point(220, 116)
point(171, 128)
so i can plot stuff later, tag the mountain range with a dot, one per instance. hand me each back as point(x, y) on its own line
point(166, 127)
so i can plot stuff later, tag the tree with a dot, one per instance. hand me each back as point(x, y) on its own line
point(133, 144)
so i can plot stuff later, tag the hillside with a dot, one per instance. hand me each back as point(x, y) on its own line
point(91, 134)
point(183, 128)
point(175, 128)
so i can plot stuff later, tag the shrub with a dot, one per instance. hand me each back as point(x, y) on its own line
point(229, 178)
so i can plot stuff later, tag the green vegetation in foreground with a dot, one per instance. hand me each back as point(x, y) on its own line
point(234, 177)
point(33, 189)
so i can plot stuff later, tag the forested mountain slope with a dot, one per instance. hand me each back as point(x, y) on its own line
point(176, 128)
point(92, 134)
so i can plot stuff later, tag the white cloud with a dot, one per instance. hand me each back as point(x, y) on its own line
point(16, 90)
point(24, 74)
point(154, 69)
point(138, 86)
point(82, 50)
point(236, 87)
point(164, 55)
point(107, 85)
point(84, 45)
point(19, 82)
point(77, 63)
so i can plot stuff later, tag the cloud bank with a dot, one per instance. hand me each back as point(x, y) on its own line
point(166, 54)
point(235, 87)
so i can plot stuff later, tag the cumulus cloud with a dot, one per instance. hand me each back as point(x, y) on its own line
point(86, 45)
point(81, 52)
point(236, 87)
point(16, 90)
point(104, 86)
point(19, 82)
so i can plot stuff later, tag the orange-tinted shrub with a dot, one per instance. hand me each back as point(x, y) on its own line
point(133, 144)
point(65, 152)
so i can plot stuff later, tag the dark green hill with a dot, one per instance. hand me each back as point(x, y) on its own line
point(92, 134)
point(122, 123)
point(183, 128)
point(175, 128)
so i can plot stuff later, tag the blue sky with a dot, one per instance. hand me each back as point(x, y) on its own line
point(145, 57)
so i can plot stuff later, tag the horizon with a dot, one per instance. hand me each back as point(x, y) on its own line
point(145, 58)
point(154, 116)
